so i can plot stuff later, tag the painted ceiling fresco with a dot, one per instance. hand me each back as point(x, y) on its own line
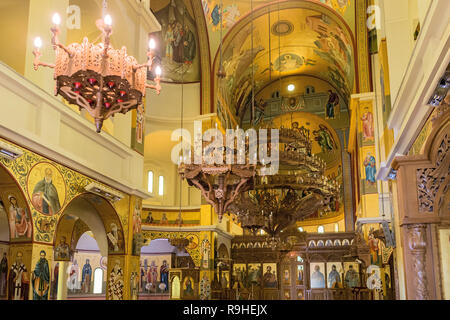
point(234, 10)
point(288, 42)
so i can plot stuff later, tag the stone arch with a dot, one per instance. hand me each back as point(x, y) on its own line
point(96, 215)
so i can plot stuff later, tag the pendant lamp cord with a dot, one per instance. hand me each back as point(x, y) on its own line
point(253, 69)
point(182, 116)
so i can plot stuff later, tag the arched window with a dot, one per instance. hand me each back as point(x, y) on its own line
point(320, 229)
point(161, 185)
point(336, 227)
point(300, 229)
point(98, 281)
point(150, 181)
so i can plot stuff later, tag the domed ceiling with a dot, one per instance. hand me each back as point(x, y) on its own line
point(288, 38)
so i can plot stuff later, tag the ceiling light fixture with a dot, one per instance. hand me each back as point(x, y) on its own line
point(96, 77)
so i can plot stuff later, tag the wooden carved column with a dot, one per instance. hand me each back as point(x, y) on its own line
point(423, 183)
point(417, 245)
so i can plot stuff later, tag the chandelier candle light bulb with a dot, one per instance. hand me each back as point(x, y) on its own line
point(56, 19)
point(152, 44)
point(38, 43)
point(108, 20)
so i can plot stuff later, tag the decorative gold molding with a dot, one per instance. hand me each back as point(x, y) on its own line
point(362, 46)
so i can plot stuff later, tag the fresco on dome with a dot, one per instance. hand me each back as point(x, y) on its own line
point(178, 41)
point(309, 41)
point(235, 10)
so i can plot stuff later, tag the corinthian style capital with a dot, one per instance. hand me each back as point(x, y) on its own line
point(417, 239)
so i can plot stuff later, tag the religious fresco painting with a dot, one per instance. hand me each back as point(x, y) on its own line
point(211, 9)
point(134, 286)
point(19, 279)
point(138, 238)
point(20, 223)
point(368, 129)
point(206, 252)
point(193, 241)
point(335, 274)
point(73, 283)
point(205, 287)
point(115, 238)
point(40, 278)
point(3, 273)
point(317, 275)
point(116, 281)
point(324, 43)
point(178, 42)
point(240, 272)
point(86, 277)
point(46, 188)
point(188, 287)
point(154, 273)
point(369, 172)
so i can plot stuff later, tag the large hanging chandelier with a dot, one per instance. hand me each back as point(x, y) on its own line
point(97, 78)
point(219, 184)
point(299, 190)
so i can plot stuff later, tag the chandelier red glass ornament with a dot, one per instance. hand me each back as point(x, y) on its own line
point(102, 80)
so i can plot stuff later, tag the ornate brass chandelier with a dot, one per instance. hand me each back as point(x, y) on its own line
point(219, 184)
point(298, 190)
point(102, 80)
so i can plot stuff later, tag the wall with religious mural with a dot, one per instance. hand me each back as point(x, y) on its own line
point(36, 200)
point(178, 45)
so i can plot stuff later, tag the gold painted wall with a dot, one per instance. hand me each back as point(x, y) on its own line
point(71, 185)
point(14, 25)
